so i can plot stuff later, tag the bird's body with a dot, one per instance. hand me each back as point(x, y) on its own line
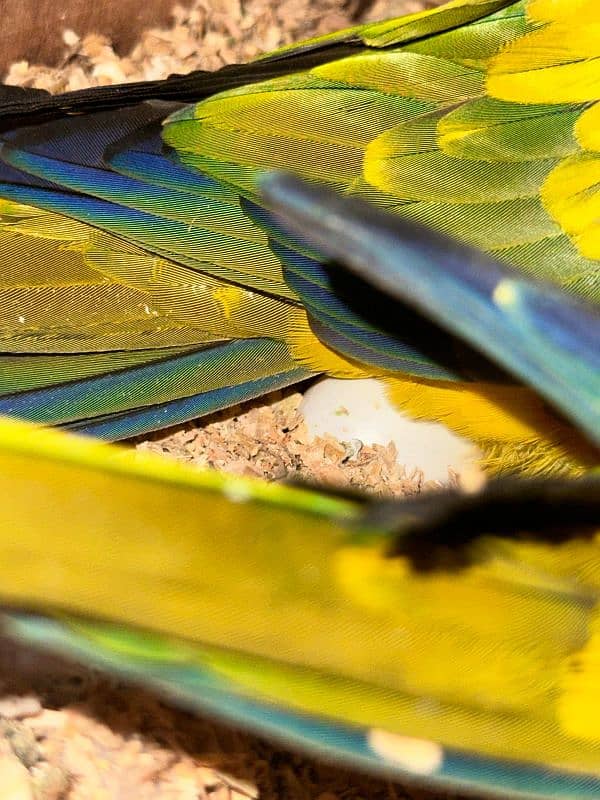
point(143, 283)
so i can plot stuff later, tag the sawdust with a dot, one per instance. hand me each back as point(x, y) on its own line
point(270, 441)
point(69, 733)
point(207, 35)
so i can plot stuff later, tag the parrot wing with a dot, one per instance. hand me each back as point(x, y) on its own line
point(156, 204)
point(122, 267)
point(323, 621)
point(440, 129)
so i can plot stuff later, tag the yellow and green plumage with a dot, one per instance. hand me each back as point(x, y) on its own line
point(448, 637)
point(308, 617)
point(128, 247)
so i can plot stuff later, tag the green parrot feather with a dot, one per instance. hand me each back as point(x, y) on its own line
point(447, 638)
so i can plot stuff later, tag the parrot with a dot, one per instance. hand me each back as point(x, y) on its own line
point(449, 638)
point(146, 282)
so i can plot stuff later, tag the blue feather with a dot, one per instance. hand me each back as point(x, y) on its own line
point(546, 337)
point(174, 389)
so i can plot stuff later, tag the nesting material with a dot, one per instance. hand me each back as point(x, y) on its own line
point(206, 35)
point(271, 441)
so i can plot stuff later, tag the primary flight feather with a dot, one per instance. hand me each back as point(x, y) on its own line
point(145, 283)
point(546, 337)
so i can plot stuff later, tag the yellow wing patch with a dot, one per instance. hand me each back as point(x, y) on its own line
point(572, 195)
point(560, 63)
point(510, 424)
point(554, 10)
point(577, 82)
point(557, 63)
point(311, 353)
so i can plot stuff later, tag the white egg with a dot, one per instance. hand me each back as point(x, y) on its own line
point(360, 409)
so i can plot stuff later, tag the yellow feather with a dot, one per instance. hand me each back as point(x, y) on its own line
point(571, 195)
point(311, 353)
point(580, 688)
point(557, 63)
point(511, 425)
point(554, 10)
point(587, 129)
point(355, 634)
point(573, 83)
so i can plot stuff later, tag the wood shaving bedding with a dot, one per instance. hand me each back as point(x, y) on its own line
point(270, 441)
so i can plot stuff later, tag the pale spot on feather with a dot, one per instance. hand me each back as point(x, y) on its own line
point(237, 492)
point(415, 755)
point(505, 293)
